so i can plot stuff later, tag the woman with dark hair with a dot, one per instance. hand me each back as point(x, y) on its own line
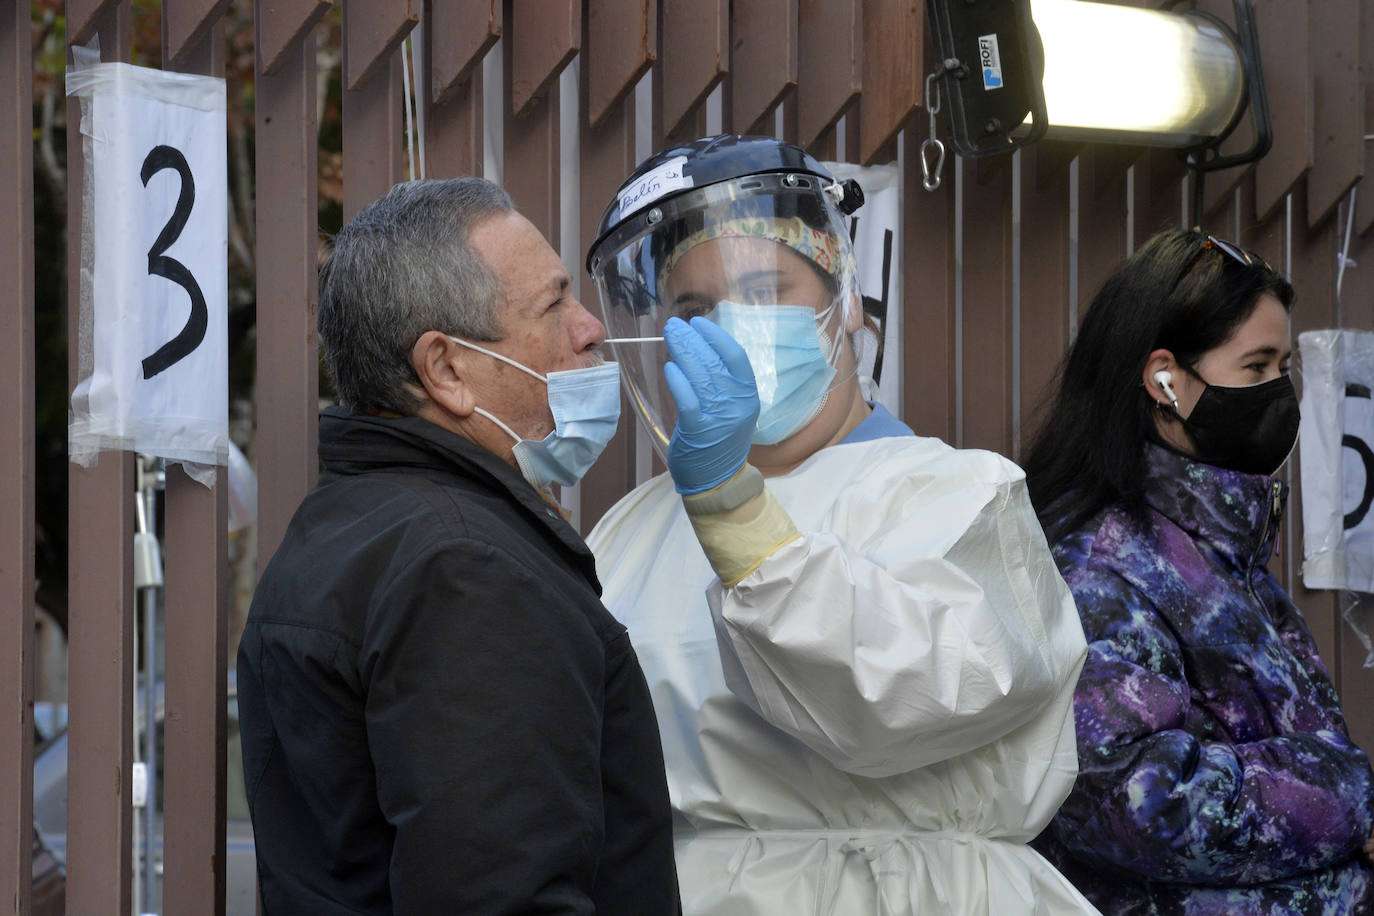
point(1216, 774)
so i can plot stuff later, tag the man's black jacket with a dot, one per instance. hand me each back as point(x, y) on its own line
point(438, 714)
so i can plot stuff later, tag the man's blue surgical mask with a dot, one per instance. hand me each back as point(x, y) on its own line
point(586, 411)
point(786, 349)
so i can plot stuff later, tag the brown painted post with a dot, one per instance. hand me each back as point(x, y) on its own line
point(1314, 280)
point(287, 385)
point(16, 458)
point(929, 306)
point(197, 610)
point(1101, 217)
point(1364, 200)
point(1159, 176)
point(893, 75)
point(763, 61)
point(1338, 126)
point(538, 43)
point(621, 40)
point(1045, 306)
point(101, 588)
point(694, 56)
point(373, 107)
point(1284, 49)
point(457, 35)
point(988, 308)
point(829, 65)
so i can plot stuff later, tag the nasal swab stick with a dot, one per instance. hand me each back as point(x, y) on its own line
point(631, 339)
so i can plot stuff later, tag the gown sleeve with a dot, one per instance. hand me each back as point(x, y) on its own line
point(940, 628)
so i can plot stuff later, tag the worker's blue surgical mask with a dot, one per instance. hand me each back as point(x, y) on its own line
point(787, 351)
point(586, 411)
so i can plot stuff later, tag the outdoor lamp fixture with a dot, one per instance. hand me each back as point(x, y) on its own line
point(1013, 71)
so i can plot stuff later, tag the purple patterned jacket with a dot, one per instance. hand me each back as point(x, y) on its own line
point(1216, 775)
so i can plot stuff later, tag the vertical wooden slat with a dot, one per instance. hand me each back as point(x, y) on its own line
point(16, 459)
point(373, 106)
point(1288, 67)
point(829, 64)
point(1364, 199)
point(1314, 279)
point(287, 385)
point(372, 30)
point(458, 34)
point(893, 78)
point(196, 626)
point(1102, 217)
point(763, 61)
point(280, 26)
point(928, 298)
point(694, 55)
point(85, 17)
point(607, 156)
point(549, 38)
point(197, 629)
point(1159, 175)
point(987, 324)
point(621, 38)
point(185, 23)
point(453, 130)
point(1045, 306)
point(101, 612)
point(1338, 112)
point(531, 162)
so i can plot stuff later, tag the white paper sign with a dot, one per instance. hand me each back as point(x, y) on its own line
point(876, 229)
point(1337, 449)
point(153, 373)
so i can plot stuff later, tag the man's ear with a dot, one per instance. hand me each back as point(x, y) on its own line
point(440, 365)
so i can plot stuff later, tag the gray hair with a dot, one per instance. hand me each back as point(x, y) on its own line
point(401, 267)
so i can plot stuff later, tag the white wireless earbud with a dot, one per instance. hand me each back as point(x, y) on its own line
point(1163, 378)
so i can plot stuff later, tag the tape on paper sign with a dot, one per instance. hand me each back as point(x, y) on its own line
point(153, 355)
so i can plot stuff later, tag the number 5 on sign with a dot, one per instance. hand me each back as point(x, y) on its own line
point(153, 371)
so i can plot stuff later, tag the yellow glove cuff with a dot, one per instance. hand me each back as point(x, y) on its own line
point(739, 538)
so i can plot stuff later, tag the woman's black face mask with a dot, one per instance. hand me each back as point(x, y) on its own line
point(1251, 429)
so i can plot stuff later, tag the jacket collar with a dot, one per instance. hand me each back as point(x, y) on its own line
point(1235, 512)
point(355, 443)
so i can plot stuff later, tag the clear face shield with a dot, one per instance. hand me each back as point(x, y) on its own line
point(766, 257)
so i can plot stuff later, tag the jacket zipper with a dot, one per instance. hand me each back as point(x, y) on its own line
point(1271, 513)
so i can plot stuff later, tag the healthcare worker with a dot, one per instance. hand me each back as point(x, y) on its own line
point(861, 655)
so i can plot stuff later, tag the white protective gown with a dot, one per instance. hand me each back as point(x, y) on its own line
point(878, 718)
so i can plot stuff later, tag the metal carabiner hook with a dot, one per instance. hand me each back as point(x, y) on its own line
point(930, 178)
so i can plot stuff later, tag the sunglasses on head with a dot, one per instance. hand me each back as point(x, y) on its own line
point(1248, 258)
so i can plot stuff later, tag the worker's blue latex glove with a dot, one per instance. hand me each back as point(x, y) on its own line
point(717, 404)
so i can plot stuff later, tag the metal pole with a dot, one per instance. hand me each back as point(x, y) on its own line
point(147, 580)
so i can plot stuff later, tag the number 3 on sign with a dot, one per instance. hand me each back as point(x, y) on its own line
point(159, 265)
point(155, 377)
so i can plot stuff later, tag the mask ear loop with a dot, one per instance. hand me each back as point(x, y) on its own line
point(831, 343)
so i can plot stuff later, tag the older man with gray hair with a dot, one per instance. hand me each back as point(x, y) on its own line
point(438, 714)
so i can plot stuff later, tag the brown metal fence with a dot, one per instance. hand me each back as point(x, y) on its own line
point(560, 98)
